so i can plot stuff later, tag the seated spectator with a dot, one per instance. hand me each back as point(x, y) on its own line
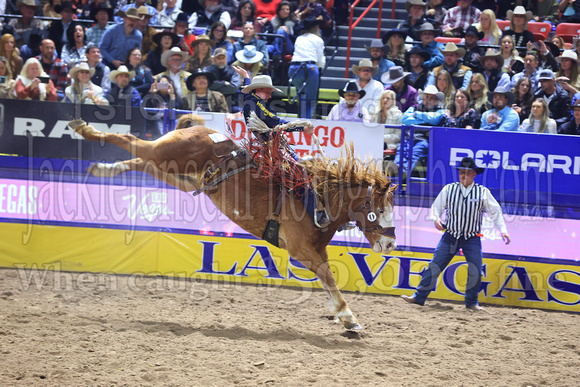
point(226, 79)
point(308, 57)
point(201, 57)
point(73, 52)
point(8, 51)
point(174, 60)
point(502, 117)
point(250, 38)
point(245, 12)
point(121, 93)
point(479, 101)
point(312, 10)
point(146, 30)
point(488, 25)
point(389, 114)
point(186, 38)
point(444, 84)
point(101, 15)
point(559, 42)
point(406, 95)
point(530, 71)
point(58, 29)
point(435, 12)
point(101, 74)
point(523, 97)
point(212, 12)
point(164, 41)
point(283, 24)
point(82, 90)
point(492, 64)
point(48, 9)
point(34, 83)
point(161, 95)
point(22, 27)
point(461, 114)
point(547, 54)
point(143, 76)
point(428, 44)
point(377, 51)
point(201, 98)
point(512, 62)
point(544, 10)
point(395, 47)
point(412, 26)
point(567, 75)
point(349, 107)
point(51, 65)
point(558, 99)
point(572, 127)
point(519, 19)
point(218, 33)
point(136, 4)
point(250, 60)
point(539, 120)
point(570, 11)
point(459, 73)
point(168, 13)
point(373, 89)
point(6, 79)
point(32, 49)
point(418, 74)
point(458, 18)
point(266, 9)
point(121, 38)
point(472, 50)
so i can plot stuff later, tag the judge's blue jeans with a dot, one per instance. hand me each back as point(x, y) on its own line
point(449, 246)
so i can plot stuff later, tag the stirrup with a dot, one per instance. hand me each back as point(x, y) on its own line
point(321, 219)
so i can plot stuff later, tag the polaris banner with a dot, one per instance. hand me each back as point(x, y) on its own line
point(544, 166)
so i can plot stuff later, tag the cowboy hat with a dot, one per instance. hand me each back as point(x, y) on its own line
point(519, 10)
point(182, 17)
point(428, 27)
point(101, 7)
point(394, 75)
point(203, 39)
point(131, 13)
point(121, 70)
point(490, 53)
point(411, 3)
point(472, 30)
point(199, 72)
point(502, 90)
point(169, 53)
point(249, 54)
point(394, 31)
point(568, 54)
point(351, 87)
point(418, 51)
point(469, 163)
point(451, 47)
point(65, 5)
point(377, 43)
point(365, 63)
point(143, 11)
point(30, 3)
point(174, 38)
point(83, 66)
point(432, 90)
point(259, 82)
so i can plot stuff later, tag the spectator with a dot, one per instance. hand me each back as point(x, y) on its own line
point(51, 65)
point(186, 38)
point(559, 42)
point(523, 97)
point(226, 79)
point(488, 25)
point(201, 57)
point(73, 52)
point(547, 53)
point(472, 50)
point(250, 60)
point(168, 13)
point(444, 84)
point(544, 10)
point(396, 81)
point(312, 10)
point(8, 51)
point(143, 76)
point(492, 63)
point(308, 57)
point(174, 60)
point(349, 108)
point(567, 75)
point(101, 15)
point(101, 74)
point(539, 120)
point(435, 12)
point(530, 71)
point(23, 26)
point(82, 90)
point(389, 114)
point(395, 47)
point(34, 83)
point(266, 9)
point(458, 18)
point(412, 26)
point(212, 12)
point(364, 73)
point(428, 43)
point(572, 127)
point(502, 116)
point(48, 9)
point(58, 29)
point(217, 33)
point(512, 63)
point(477, 91)
point(164, 41)
point(121, 93)
point(121, 38)
point(201, 98)
point(459, 73)
point(282, 24)
point(92, 5)
point(377, 51)
point(250, 38)
point(32, 49)
point(161, 95)
point(519, 19)
point(245, 12)
point(557, 98)
point(418, 74)
point(570, 11)
point(136, 4)
point(146, 30)
point(6, 79)
point(461, 114)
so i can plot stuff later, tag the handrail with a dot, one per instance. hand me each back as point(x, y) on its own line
point(352, 25)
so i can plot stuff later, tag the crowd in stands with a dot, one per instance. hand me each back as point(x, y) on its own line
point(181, 54)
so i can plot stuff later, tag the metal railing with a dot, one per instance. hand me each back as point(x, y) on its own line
point(353, 25)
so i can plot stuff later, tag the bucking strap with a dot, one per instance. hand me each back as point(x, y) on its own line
point(272, 231)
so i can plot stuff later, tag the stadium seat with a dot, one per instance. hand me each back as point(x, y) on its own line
point(567, 31)
point(441, 39)
point(504, 24)
point(540, 30)
point(567, 46)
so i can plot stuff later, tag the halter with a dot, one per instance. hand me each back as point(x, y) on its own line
point(365, 213)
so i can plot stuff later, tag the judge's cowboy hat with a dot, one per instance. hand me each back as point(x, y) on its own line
point(451, 47)
point(131, 13)
point(351, 87)
point(83, 66)
point(249, 54)
point(394, 75)
point(169, 53)
point(491, 53)
point(260, 82)
point(199, 72)
point(365, 63)
point(568, 54)
point(502, 90)
point(431, 89)
point(411, 3)
point(378, 43)
point(519, 10)
point(469, 164)
point(121, 70)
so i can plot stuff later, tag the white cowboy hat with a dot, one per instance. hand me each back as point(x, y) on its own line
point(365, 63)
point(519, 10)
point(30, 3)
point(174, 51)
point(249, 54)
point(260, 81)
point(568, 54)
point(431, 89)
point(121, 70)
point(83, 66)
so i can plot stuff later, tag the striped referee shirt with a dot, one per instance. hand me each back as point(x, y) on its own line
point(465, 206)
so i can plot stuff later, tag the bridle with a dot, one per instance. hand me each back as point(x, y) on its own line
point(364, 214)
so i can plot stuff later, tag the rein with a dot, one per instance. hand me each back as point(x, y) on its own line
point(364, 213)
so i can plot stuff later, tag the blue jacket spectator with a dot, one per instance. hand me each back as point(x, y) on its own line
point(121, 93)
point(502, 116)
point(429, 45)
point(120, 39)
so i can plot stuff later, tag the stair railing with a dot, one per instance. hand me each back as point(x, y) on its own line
point(352, 25)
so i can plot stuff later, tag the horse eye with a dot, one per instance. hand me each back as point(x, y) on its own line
point(381, 211)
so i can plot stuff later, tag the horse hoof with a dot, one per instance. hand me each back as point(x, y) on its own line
point(353, 326)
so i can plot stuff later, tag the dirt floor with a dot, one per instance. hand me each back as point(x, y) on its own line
point(88, 329)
